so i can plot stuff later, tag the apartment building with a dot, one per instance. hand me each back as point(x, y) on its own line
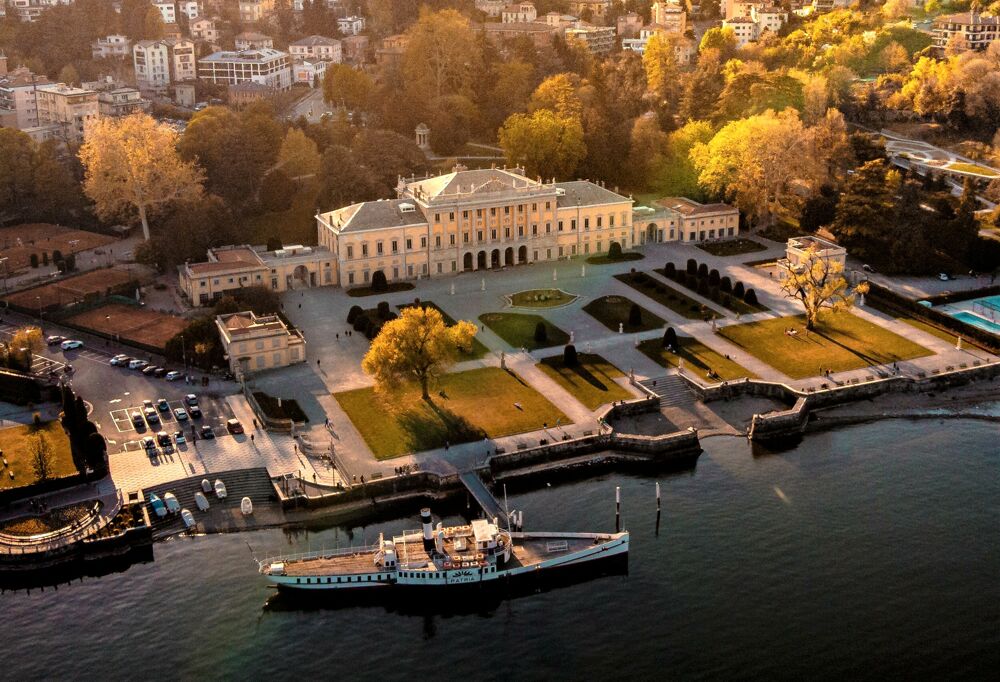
point(254, 343)
point(354, 49)
point(111, 47)
point(761, 19)
point(596, 8)
point(73, 110)
point(17, 94)
point(669, 16)
point(350, 26)
point(597, 39)
point(391, 49)
point(205, 29)
point(251, 40)
point(252, 11)
point(121, 102)
point(966, 31)
point(170, 10)
point(685, 48)
point(309, 72)
point(473, 220)
point(272, 68)
point(629, 25)
point(159, 63)
point(519, 12)
point(744, 29)
point(317, 48)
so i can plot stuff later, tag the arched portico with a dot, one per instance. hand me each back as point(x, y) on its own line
point(495, 258)
point(508, 256)
point(481, 261)
point(467, 261)
point(522, 254)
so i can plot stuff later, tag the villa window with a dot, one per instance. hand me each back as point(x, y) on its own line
point(598, 222)
point(451, 216)
point(586, 224)
point(479, 235)
point(611, 220)
point(465, 215)
point(506, 232)
point(465, 237)
point(364, 250)
point(493, 211)
point(493, 234)
point(437, 217)
point(572, 224)
point(378, 248)
point(520, 208)
point(437, 241)
point(451, 239)
point(506, 210)
point(560, 226)
point(534, 207)
point(423, 242)
point(409, 244)
point(395, 246)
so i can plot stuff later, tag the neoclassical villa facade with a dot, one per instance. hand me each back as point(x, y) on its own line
point(491, 218)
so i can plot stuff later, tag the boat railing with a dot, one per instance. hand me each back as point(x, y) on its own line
point(321, 554)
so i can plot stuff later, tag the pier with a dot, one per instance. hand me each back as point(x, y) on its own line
point(481, 494)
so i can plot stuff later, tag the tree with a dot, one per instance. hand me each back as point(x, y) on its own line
point(452, 120)
point(379, 283)
point(570, 358)
point(42, 461)
point(820, 210)
point(615, 250)
point(298, 154)
point(635, 316)
point(416, 347)
point(559, 94)
point(866, 211)
point(677, 175)
point(692, 266)
point(273, 243)
point(277, 191)
point(544, 143)
point(131, 165)
point(541, 333)
point(354, 313)
point(670, 270)
point(670, 338)
point(68, 75)
point(439, 54)
point(818, 283)
point(750, 297)
point(347, 87)
point(722, 39)
point(739, 290)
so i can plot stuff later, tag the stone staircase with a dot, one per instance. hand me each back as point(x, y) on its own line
point(671, 389)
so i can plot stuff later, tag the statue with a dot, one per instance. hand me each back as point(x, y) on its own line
point(621, 328)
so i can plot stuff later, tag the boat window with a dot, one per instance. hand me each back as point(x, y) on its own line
point(338, 580)
point(298, 581)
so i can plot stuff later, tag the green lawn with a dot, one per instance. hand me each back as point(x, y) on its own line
point(943, 334)
point(518, 329)
point(358, 292)
point(289, 408)
point(698, 358)
point(604, 259)
point(541, 298)
point(478, 349)
point(16, 443)
point(592, 381)
point(613, 310)
point(841, 342)
point(665, 295)
point(732, 247)
point(465, 406)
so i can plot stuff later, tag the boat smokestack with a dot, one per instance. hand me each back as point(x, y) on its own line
point(427, 526)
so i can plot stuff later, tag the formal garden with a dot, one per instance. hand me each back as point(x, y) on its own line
point(587, 376)
point(666, 295)
point(732, 247)
point(697, 358)
point(615, 254)
point(619, 312)
point(710, 284)
point(465, 406)
point(523, 330)
point(540, 298)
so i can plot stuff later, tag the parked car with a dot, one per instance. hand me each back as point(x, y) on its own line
point(234, 427)
point(160, 372)
point(944, 277)
point(172, 375)
point(149, 370)
point(180, 414)
point(71, 344)
point(151, 416)
point(120, 359)
point(206, 432)
point(149, 443)
point(163, 438)
point(161, 405)
point(191, 399)
point(146, 404)
point(195, 412)
point(179, 438)
point(135, 363)
point(137, 419)
point(54, 339)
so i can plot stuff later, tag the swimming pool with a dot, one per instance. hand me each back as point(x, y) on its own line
point(977, 321)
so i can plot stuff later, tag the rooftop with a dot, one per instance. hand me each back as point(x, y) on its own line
point(586, 193)
point(253, 55)
point(968, 18)
point(383, 213)
point(690, 207)
point(312, 41)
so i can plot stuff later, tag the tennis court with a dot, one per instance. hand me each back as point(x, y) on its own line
point(70, 290)
point(131, 323)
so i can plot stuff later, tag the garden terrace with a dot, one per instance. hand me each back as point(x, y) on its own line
point(614, 310)
point(732, 247)
point(698, 359)
point(541, 298)
point(464, 406)
point(665, 295)
point(716, 288)
point(518, 329)
point(591, 381)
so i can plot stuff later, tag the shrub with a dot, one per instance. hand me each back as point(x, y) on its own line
point(34, 260)
point(713, 278)
point(569, 356)
point(56, 255)
point(541, 333)
point(692, 266)
point(702, 271)
point(670, 270)
point(362, 323)
point(670, 338)
point(713, 292)
point(726, 285)
point(660, 289)
point(750, 297)
point(703, 287)
point(379, 282)
point(383, 310)
point(353, 313)
point(615, 250)
point(738, 290)
point(635, 315)
point(71, 262)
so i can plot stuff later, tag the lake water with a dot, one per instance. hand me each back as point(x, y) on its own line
point(868, 552)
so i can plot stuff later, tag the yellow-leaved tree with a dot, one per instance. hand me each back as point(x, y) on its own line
point(818, 283)
point(415, 348)
point(132, 167)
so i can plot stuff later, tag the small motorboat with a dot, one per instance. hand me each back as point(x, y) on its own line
point(173, 506)
point(201, 501)
point(206, 486)
point(246, 506)
point(220, 489)
point(188, 518)
point(157, 504)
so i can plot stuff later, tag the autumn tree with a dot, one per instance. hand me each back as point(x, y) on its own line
point(818, 283)
point(677, 175)
point(132, 167)
point(415, 348)
point(35, 183)
point(42, 460)
point(439, 54)
point(347, 87)
point(298, 155)
point(546, 144)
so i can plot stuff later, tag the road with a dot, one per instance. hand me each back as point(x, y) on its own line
point(312, 107)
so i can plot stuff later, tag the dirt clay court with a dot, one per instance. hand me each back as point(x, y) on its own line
point(69, 290)
point(131, 323)
point(19, 242)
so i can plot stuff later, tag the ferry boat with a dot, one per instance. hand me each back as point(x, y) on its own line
point(479, 552)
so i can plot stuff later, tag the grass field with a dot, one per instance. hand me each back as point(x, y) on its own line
point(70, 289)
point(667, 296)
point(613, 310)
point(592, 381)
point(16, 443)
point(19, 242)
point(547, 298)
point(841, 342)
point(732, 247)
point(943, 334)
point(478, 348)
point(518, 329)
point(131, 323)
point(289, 408)
point(698, 358)
point(465, 406)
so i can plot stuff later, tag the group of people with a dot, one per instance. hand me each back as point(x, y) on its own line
point(346, 334)
point(404, 469)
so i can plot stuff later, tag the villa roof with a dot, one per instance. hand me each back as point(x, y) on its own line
point(314, 40)
point(470, 181)
point(370, 215)
point(690, 207)
point(586, 193)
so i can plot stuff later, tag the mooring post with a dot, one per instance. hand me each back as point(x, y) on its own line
point(618, 509)
point(657, 507)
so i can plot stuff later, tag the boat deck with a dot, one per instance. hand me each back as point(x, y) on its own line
point(531, 551)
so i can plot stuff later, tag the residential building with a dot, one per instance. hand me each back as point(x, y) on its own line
point(744, 29)
point(391, 49)
point(670, 16)
point(74, 110)
point(121, 102)
point(355, 49)
point(686, 220)
point(491, 8)
point(473, 220)
point(685, 48)
point(111, 47)
point(246, 93)
point(597, 39)
point(17, 94)
point(159, 63)
point(255, 343)
point(966, 31)
point(251, 40)
point(797, 252)
point(768, 18)
point(596, 8)
point(351, 26)
point(266, 67)
point(168, 12)
point(820, 6)
point(629, 25)
point(540, 33)
point(317, 48)
point(518, 13)
point(309, 72)
point(188, 8)
point(252, 11)
point(205, 29)
point(234, 267)
point(738, 8)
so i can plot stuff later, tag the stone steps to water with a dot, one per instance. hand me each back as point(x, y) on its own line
point(671, 390)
